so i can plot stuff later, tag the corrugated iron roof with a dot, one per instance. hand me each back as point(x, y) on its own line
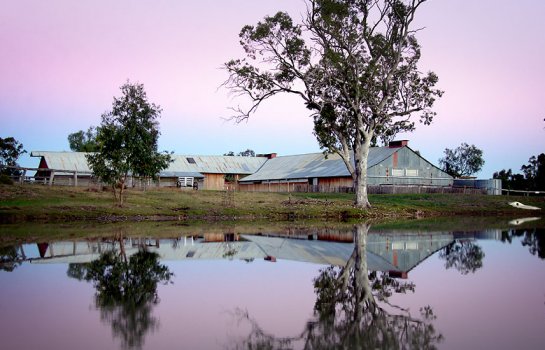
point(216, 164)
point(313, 165)
point(72, 161)
point(410, 249)
point(76, 161)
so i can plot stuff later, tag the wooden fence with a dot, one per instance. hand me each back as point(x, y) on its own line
point(371, 189)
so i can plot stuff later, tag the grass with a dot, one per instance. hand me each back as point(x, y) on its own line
point(24, 203)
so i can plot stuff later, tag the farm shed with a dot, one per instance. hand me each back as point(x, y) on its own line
point(209, 172)
point(63, 168)
point(215, 171)
point(395, 165)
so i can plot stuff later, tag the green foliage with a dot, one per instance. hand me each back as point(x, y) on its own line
point(10, 151)
point(246, 153)
point(532, 180)
point(465, 160)
point(127, 140)
point(534, 172)
point(84, 141)
point(5, 180)
point(353, 63)
point(511, 181)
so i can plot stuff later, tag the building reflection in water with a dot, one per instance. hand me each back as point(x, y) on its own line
point(363, 269)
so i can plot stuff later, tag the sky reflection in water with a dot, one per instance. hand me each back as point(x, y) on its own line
point(500, 304)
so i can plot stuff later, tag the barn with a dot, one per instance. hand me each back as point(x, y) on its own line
point(395, 165)
point(208, 172)
point(63, 168)
point(391, 167)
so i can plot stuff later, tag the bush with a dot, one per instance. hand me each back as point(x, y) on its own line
point(5, 180)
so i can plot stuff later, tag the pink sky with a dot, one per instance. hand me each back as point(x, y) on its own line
point(62, 61)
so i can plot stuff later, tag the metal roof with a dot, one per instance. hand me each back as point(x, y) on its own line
point(181, 165)
point(215, 164)
point(385, 252)
point(72, 161)
point(313, 165)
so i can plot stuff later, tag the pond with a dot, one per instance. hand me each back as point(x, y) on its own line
point(293, 288)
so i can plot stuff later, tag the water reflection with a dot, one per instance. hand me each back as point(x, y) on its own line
point(357, 289)
point(11, 257)
point(464, 255)
point(534, 239)
point(126, 291)
point(352, 311)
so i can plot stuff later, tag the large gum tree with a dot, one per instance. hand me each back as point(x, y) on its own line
point(354, 65)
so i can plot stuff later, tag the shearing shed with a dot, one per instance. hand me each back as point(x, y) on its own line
point(389, 167)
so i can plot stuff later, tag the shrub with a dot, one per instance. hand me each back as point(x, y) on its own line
point(5, 180)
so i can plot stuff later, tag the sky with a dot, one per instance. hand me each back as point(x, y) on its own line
point(63, 61)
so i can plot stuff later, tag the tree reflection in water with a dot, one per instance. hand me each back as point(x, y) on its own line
point(126, 291)
point(464, 255)
point(534, 239)
point(11, 257)
point(352, 311)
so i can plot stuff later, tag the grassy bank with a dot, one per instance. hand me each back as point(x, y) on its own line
point(54, 204)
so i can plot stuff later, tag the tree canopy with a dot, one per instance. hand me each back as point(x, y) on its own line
point(10, 151)
point(464, 160)
point(247, 153)
point(532, 179)
point(127, 141)
point(83, 141)
point(355, 66)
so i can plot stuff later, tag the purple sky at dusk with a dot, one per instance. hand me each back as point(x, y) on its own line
point(62, 61)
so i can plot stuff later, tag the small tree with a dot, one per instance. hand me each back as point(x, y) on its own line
point(127, 141)
point(465, 160)
point(10, 151)
point(84, 141)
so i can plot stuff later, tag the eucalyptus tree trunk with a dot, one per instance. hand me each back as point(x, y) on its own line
point(359, 169)
point(360, 178)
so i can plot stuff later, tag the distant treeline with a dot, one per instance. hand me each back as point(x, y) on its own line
point(531, 179)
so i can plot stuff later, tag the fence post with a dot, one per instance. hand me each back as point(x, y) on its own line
point(51, 176)
point(22, 176)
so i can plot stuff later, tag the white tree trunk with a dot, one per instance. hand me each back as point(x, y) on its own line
point(361, 154)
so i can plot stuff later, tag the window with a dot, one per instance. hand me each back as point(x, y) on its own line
point(191, 160)
point(412, 172)
point(397, 172)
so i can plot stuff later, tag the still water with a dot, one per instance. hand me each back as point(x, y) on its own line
point(304, 288)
